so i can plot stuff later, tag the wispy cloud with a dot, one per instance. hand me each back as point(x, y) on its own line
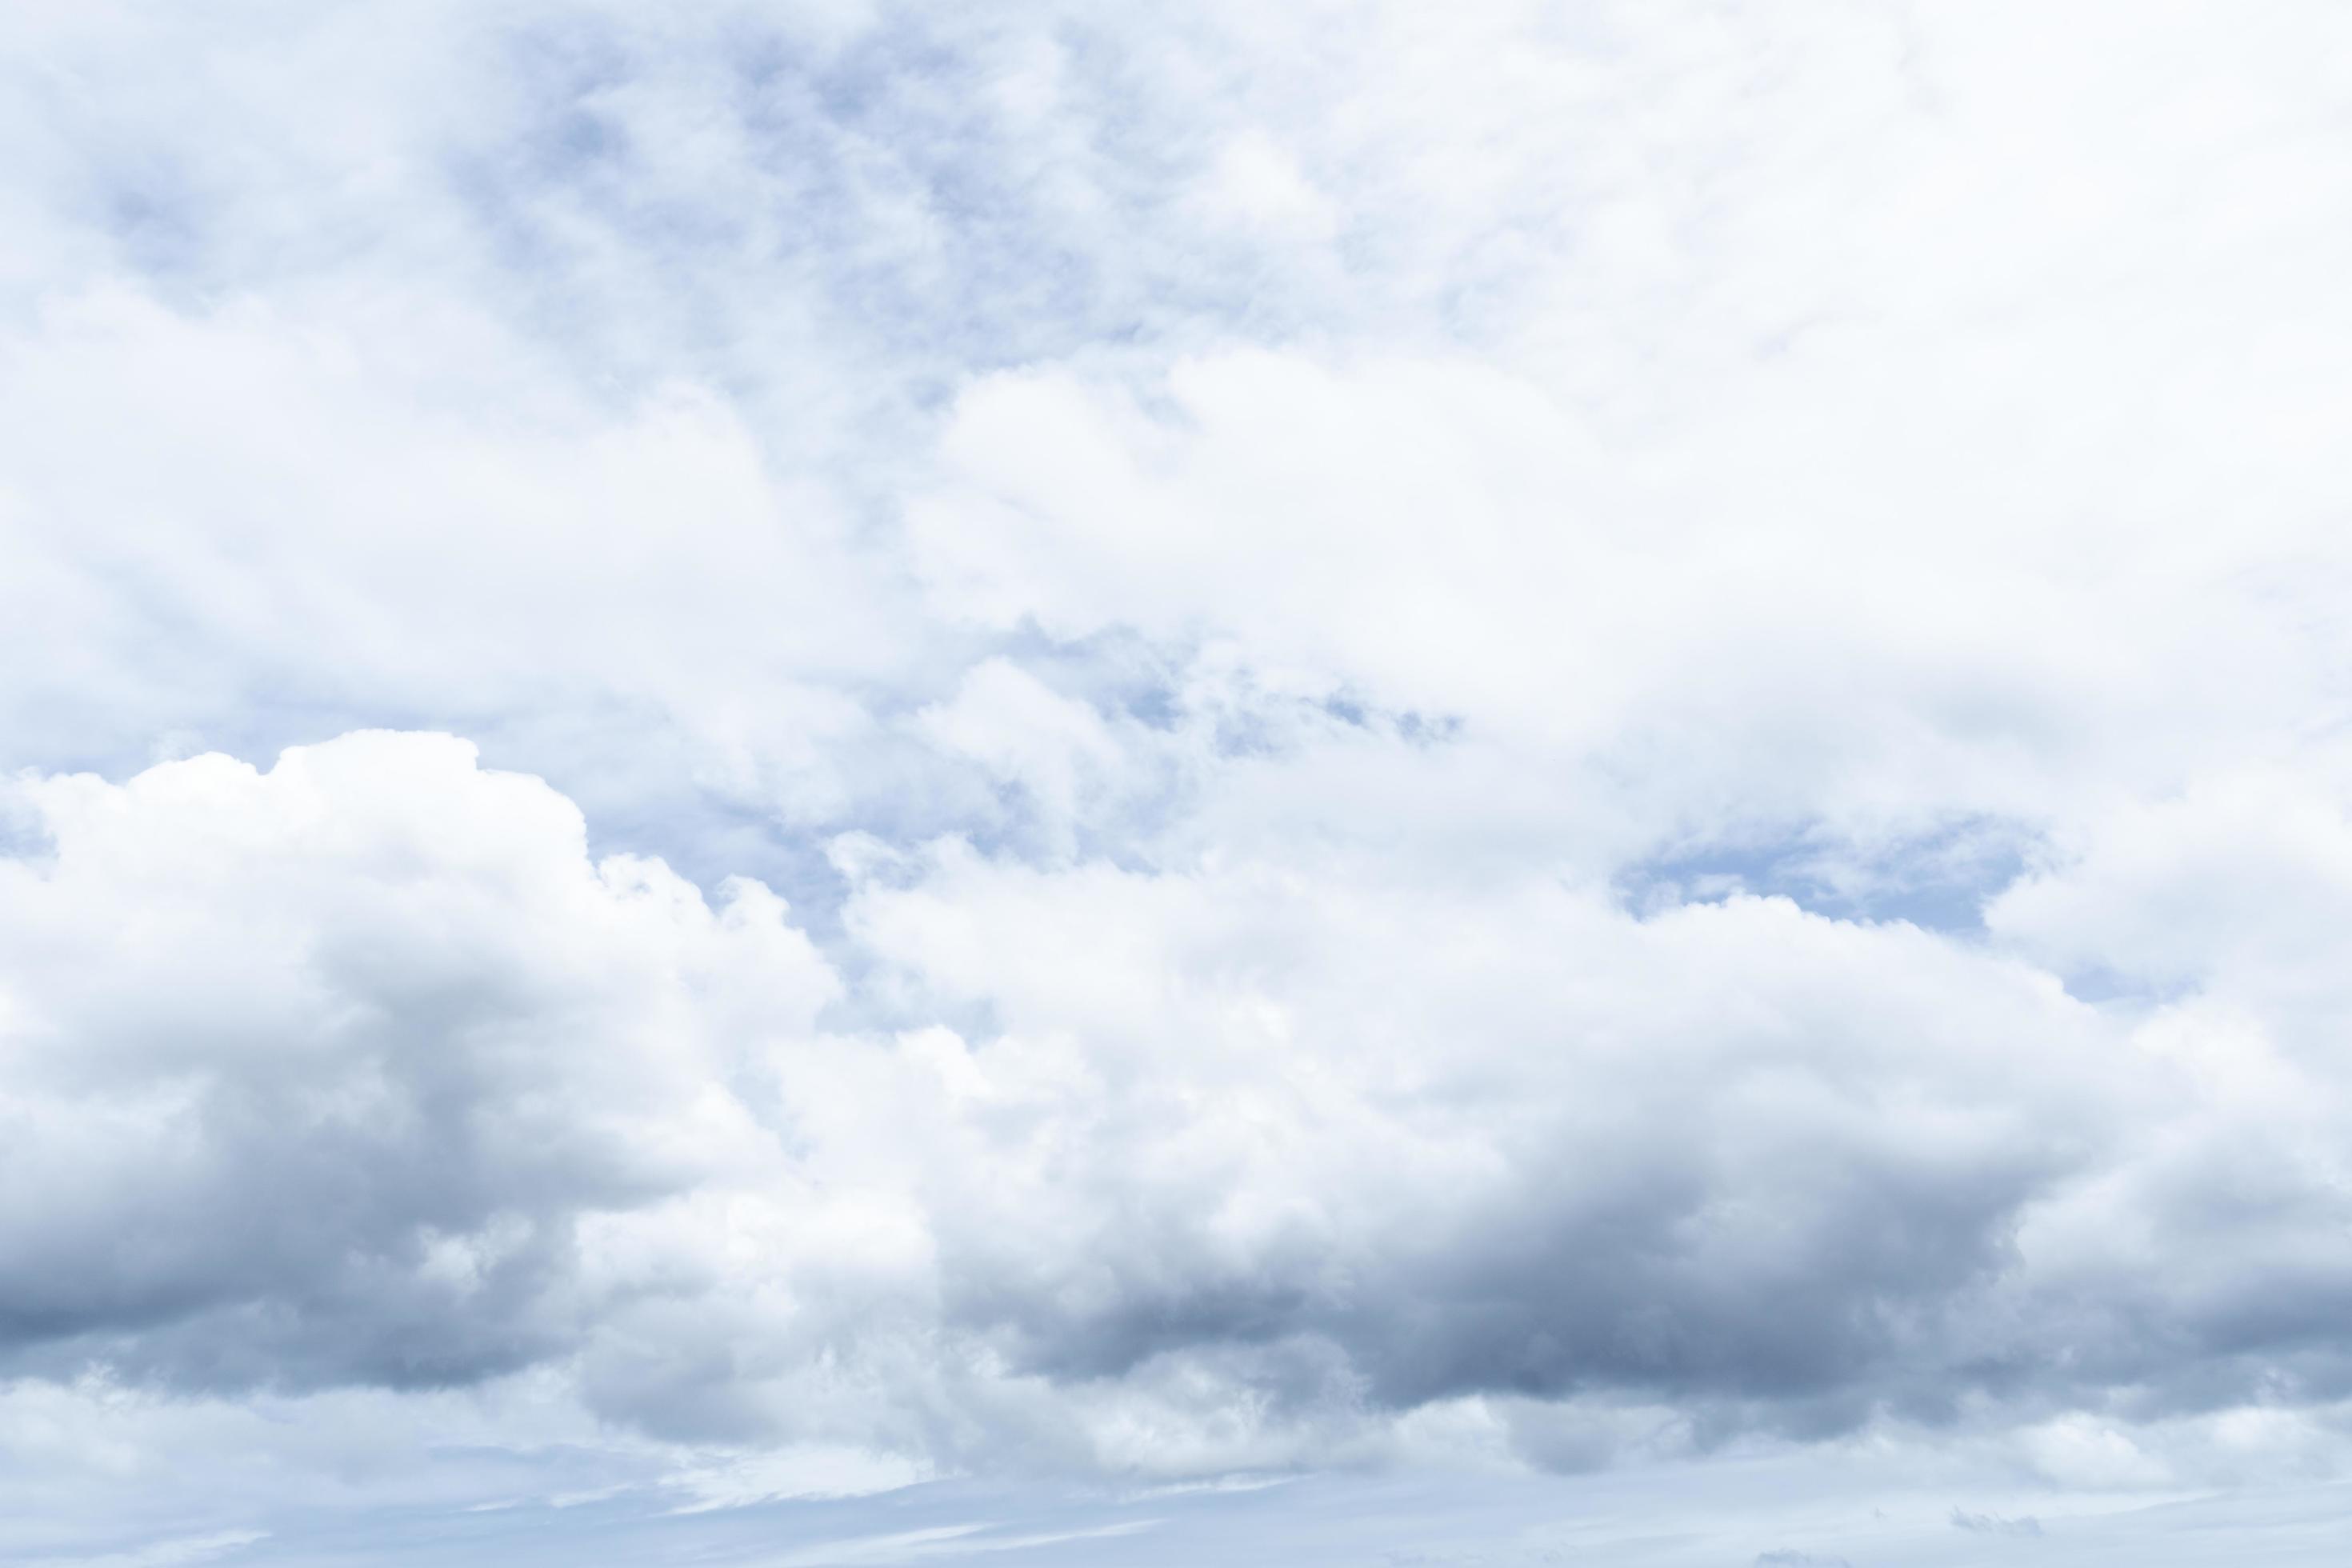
point(946, 1540)
point(169, 1554)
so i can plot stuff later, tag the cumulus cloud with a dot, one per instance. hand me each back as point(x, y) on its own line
point(312, 1074)
point(359, 1071)
point(1608, 1163)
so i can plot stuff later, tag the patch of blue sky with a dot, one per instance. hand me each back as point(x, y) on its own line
point(1939, 880)
point(885, 182)
point(1780, 1511)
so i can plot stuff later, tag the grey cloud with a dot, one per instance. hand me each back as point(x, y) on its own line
point(1995, 1524)
point(1834, 1182)
point(359, 1071)
point(313, 1072)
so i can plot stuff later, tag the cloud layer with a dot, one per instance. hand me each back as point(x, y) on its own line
point(361, 1072)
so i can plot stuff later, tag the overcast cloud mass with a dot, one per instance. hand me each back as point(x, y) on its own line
point(1345, 783)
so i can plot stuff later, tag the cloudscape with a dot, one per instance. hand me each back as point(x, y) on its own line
point(1345, 783)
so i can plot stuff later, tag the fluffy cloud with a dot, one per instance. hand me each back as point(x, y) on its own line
point(1526, 1144)
point(359, 1071)
point(312, 1074)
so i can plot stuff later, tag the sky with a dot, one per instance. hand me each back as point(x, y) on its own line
point(1353, 782)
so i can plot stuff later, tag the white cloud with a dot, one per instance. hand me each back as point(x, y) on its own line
point(361, 1072)
point(312, 1073)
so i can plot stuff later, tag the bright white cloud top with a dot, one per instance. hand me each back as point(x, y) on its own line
point(1495, 783)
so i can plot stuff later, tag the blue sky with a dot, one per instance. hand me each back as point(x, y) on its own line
point(1359, 782)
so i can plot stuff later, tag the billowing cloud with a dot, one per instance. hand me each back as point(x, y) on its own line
point(311, 1075)
point(361, 1072)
